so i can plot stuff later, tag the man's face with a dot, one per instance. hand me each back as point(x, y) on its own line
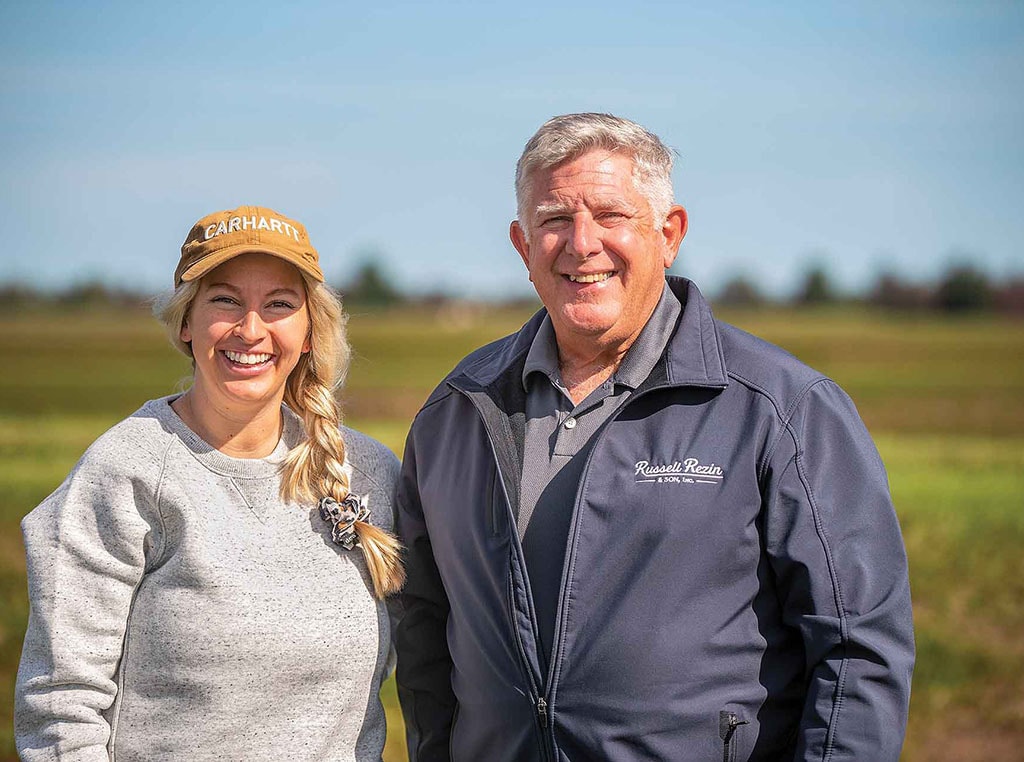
point(594, 253)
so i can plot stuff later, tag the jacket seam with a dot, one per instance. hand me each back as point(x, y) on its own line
point(837, 696)
point(784, 417)
point(431, 402)
point(838, 691)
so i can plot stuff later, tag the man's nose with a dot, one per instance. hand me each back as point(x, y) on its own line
point(251, 327)
point(584, 237)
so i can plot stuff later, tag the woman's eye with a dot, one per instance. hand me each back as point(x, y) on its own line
point(223, 300)
point(281, 305)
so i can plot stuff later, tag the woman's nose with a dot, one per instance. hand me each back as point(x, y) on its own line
point(251, 327)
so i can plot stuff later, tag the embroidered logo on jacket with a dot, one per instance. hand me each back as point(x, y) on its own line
point(688, 471)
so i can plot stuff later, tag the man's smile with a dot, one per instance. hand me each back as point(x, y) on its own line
point(591, 277)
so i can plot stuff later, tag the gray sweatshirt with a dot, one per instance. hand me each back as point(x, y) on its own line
point(181, 610)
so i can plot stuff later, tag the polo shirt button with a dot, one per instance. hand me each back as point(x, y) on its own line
point(570, 423)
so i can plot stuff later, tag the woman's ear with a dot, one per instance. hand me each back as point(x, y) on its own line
point(185, 334)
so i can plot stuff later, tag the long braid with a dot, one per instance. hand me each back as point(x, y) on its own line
point(314, 468)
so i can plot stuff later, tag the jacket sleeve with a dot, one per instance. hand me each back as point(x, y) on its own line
point(835, 546)
point(421, 613)
point(85, 553)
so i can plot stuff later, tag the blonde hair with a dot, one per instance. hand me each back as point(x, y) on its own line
point(314, 468)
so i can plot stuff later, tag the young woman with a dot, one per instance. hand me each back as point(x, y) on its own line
point(207, 582)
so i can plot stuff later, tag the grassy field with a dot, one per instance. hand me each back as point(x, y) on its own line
point(943, 398)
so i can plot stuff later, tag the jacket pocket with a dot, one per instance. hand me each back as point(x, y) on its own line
point(496, 509)
point(728, 723)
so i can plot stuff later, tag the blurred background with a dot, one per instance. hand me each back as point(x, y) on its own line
point(854, 176)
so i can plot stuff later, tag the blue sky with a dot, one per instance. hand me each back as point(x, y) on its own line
point(863, 135)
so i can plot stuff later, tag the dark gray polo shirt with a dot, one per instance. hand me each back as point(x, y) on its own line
point(558, 439)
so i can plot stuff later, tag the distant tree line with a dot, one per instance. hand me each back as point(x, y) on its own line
point(369, 287)
point(16, 297)
point(962, 288)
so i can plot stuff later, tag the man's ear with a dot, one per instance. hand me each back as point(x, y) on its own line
point(673, 231)
point(518, 237)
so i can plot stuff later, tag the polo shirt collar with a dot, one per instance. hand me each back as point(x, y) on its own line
point(640, 358)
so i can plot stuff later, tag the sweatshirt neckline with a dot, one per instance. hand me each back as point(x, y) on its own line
point(214, 459)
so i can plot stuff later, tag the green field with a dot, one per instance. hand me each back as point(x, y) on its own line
point(944, 399)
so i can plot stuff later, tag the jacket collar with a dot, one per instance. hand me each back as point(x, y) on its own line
point(693, 356)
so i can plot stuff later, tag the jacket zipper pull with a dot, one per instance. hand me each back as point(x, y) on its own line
point(727, 724)
point(542, 711)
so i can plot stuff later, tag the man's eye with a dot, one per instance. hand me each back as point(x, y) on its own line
point(560, 219)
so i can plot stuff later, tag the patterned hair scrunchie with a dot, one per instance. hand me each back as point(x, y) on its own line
point(343, 517)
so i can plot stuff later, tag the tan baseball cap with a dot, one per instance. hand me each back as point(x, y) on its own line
point(220, 236)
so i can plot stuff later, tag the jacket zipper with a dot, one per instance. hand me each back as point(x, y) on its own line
point(558, 642)
point(536, 694)
point(727, 724)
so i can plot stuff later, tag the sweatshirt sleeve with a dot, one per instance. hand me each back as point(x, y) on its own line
point(86, 548)
point(421, 615)
point(838, 555)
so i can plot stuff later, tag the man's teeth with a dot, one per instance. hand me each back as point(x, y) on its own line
point(595, 278)
point(244, 358)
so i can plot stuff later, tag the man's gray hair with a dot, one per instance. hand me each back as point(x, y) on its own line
point(567, 137)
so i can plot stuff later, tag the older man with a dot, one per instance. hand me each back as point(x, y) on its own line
point(635, 532)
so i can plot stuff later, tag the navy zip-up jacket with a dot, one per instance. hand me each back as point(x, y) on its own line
point(735, 584)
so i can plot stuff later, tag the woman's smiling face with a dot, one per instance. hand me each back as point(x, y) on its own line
point(248, 327)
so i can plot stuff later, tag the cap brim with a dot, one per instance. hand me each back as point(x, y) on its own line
point(219, 257)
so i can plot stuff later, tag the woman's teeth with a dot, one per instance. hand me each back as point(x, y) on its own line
point(244, 358)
